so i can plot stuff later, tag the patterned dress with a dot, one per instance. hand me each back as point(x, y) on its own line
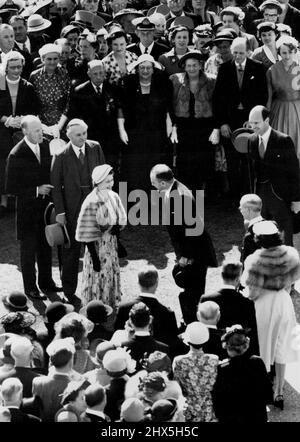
point(196, 372)
point(53, 93)
point(101, 210)
point(112, 68)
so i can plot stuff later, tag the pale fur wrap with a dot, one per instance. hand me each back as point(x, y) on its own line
point(272, 269)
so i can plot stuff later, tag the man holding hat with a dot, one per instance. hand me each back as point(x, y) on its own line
point(71, 178)
point(145, 30)
point(276, 172)
point(28, 177)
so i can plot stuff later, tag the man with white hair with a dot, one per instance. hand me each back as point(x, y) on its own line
point(12, 395)
point(241, 84)
point(28, 178)
point(71, 179)
point(93, 102)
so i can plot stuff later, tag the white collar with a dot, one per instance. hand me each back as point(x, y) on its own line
point(142, 333)
point(31, 145)
point(168, 191)
point(269, 54)
point(149, 49)
point(265, 137)
point(228, 286)
point(211, 326)
point(255, 220)
point(243, 64)
point(13, 81)
point(148, 295)
point(78, 149)
point(95, 412)
point(95, 87)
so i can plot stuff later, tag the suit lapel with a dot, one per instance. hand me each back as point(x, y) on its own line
point(73, 161)
point(20, 95)
point(29, 153)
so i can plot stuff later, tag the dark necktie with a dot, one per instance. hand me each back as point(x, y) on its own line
point(146, 51)
point(261, 149)
point(98, 88)
point(240, 72)
point(24, 49)
point(81, 156)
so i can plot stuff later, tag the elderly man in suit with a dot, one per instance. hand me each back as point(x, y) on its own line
point(241, 84)
point(250, 208)
point(234, 307)
point(28, 177)
point(145, 30)
point(12, 395)
point(71, 172)
point(276, 172)
point(192, 243)
point(93, 102)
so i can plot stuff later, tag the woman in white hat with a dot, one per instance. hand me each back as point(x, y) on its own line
point(196, 373)
point(88, 47)
point(143, 120)
point(179, 38)
point(52, 85)
point(102, 215)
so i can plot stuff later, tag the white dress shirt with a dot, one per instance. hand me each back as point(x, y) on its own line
point(35, 149)
point(143, 48)
point(78, 149)
point(265, 138)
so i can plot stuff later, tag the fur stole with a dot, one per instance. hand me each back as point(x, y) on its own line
point(272, 269)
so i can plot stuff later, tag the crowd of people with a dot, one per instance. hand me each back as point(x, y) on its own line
point(182, 96)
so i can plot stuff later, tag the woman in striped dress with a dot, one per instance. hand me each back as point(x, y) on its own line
point(101, 217)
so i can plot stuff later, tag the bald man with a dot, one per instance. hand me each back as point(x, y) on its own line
point(71, 172)
point(276, 172)
point(28, 177)
point(93, 102)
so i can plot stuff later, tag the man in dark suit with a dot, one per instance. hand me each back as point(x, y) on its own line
point(241, 84)
point(47, 390)
point(192, 243)
point(71, 172)
point(162, 315)
point(28, 177)
point(12, 394)
point(145, 31)
point(275, 172)
point(177, 10)
point(93, 102)
point(96, 400)
point(250, 208)
point(234, 307)
point(290, 17)
point(208, 313)
point(142, 343)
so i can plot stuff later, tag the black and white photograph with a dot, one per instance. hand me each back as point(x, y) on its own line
point(149, 215)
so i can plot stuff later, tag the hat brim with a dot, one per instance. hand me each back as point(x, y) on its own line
point(29, 317)
point(188, 55)
point(136, 63)
point(45, 25)
point(69, 309)
point(57, 240)
point(109, 310)
point(9, 305)
point(240, 139)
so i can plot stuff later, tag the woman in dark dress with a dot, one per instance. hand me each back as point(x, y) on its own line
point(242, 389)
point(143, 118)
point(194, 130)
